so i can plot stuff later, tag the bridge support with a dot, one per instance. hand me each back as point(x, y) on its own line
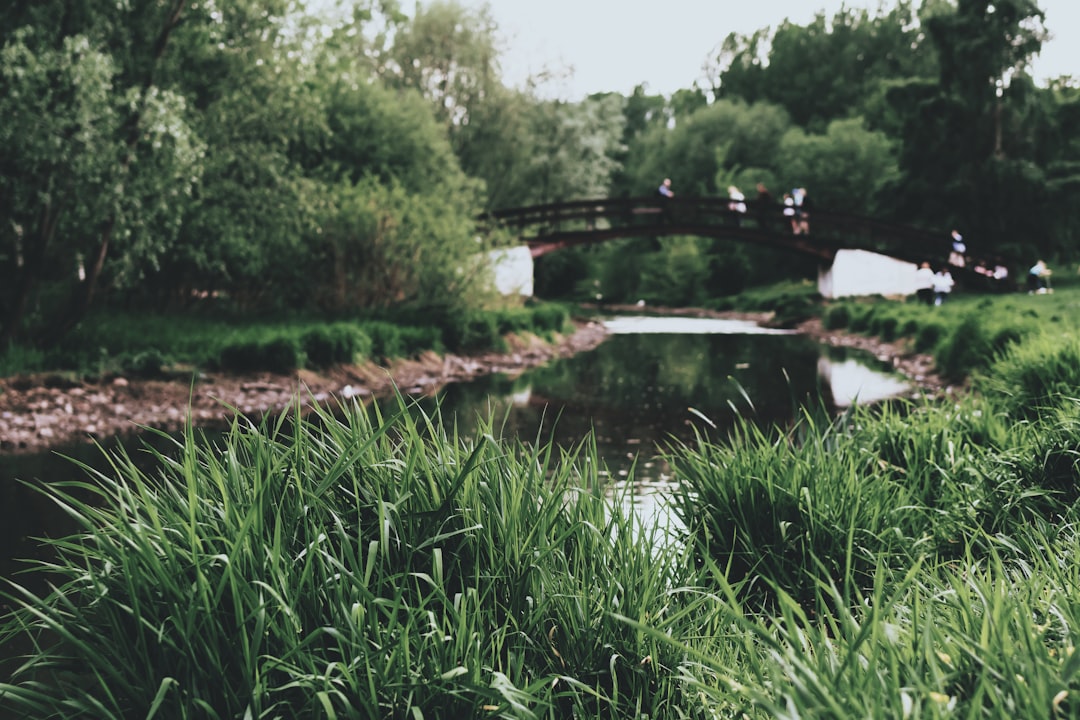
point(512, 269)
point(861, 272)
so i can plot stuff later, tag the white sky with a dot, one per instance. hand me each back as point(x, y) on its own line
point(613, 45)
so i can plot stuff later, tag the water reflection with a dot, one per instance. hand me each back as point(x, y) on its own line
point(640, 393)
point(851, 381)
point(642, 325)
point(653, 383)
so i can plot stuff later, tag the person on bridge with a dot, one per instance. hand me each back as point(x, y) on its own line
point(802, 210)
point(736, 203)
point(666, 194)
point(789, 213)
point(763, 204)
point(958, 254)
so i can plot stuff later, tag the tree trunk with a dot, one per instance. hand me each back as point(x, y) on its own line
point(9, 331)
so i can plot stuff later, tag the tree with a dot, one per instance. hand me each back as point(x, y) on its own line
point(964, 159)
point(96, 160)
point(727, 135)
point(574, 148)
point(845, 169)
point(827, 69)
point(448, 53)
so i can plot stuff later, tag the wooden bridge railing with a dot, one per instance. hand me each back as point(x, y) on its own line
point(586, 221)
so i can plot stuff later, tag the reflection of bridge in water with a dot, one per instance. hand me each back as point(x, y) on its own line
point(886, 253)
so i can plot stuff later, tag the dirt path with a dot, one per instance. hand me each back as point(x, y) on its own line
point(42, 412)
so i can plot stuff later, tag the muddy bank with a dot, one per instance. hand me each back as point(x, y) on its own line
point(48, 411)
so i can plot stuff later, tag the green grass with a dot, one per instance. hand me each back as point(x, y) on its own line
point(140, 344)
point(969, 332)
point(909, 560)
point(358, 567)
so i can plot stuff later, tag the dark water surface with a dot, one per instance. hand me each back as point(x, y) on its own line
point(653, 382)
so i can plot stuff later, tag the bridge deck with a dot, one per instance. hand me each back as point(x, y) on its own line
point(549, 227)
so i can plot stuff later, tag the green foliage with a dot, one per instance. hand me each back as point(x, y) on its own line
point(829, 68)
point(77, 183)
point(147, 363)
point(335, 344)
point(837, 316)
point(550, 318)
point(845, 169)
point(399, 339)
point(928, 336)
point(276, 353)
point(676, 276)
point(458, 577)
point(471, 331)
point(725, 134)
point(964, 350)
point(17, 359)
point(1033, 374)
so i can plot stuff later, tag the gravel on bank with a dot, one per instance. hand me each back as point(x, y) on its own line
point(48, 411)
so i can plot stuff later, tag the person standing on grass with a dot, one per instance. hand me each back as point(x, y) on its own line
point(943, 285)
point(1038, 278)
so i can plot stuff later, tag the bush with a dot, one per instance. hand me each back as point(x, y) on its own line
point(281, 354)
point(861, 318)
point(472, 332)
point(928, 336)
point(967, 348)
point(144, 364)
point(887, 328)
point(790, 310)
point(836, 317)
point(1033, 374)
point(337, 344)
point(551, 318)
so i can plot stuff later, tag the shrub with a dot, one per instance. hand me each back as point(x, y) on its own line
point(281, 354)
point(861, 317)
point(790, 310)
point(514, 320)
point(928, 336)
point(472, 331)
point(1033, 374)
point(550, 318)
point(147, 363)
point(889, 328)
point(836, 317)
point(336, 344)
point(965, 349)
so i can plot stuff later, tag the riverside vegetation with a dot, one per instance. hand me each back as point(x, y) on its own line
point(908, 560)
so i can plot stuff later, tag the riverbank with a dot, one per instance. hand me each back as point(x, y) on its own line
point(38, 413)
point(41, 412)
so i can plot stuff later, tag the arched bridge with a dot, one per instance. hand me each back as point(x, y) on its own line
point(550, 227)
